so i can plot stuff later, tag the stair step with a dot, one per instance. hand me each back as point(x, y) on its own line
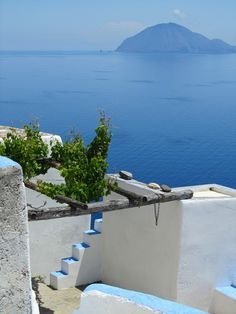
point(59, 273)
point(84, 266)
point(92, 232)
point(91, 237)
point(70, 265)
point(78, 250)
point(70, 260)
point(98, 224)
point(225, 300)
point(81, 245)
point(60, 280)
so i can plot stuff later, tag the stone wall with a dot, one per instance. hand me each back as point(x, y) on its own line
point(15, 286)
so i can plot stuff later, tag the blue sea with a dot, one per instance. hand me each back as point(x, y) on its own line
point(173, 115)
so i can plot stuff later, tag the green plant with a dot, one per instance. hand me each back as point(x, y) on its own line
point(83, 167)
point(26, 148)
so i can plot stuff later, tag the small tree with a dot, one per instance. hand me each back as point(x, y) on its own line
point(82, 167)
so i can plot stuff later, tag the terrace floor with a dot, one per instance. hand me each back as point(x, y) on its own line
point(57, 301)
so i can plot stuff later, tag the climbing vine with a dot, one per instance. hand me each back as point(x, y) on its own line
point(83, 167)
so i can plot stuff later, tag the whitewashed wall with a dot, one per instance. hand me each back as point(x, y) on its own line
point(51, 240)
point(95, 302)
point(140, 255)
point(192, 251)
point(104, 299)
point(207, 249)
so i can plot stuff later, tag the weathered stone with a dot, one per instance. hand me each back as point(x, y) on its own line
point(15, 288)
point(126, 175)
point(165, 188)
point(153, 186)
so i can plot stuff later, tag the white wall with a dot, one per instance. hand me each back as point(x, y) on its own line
point(139, 255)
point(96, 302)
point(207, 251)
point(51, 240)
point(192, 251)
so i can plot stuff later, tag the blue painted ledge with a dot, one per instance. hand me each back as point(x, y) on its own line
point(6, 163)
point(229, 291)
point(59, 273)
point(155, 303)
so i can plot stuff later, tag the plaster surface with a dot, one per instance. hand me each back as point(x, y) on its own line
point(15, 286)
point(96, 302)
point(190, 253)
point(102, 299)
point(139, 255)
point(207, 249)
point(51, 240)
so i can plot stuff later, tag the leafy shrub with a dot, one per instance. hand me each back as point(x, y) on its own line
point(82, 167)
point(26, 148)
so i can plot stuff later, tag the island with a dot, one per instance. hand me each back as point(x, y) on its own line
point(171, 37)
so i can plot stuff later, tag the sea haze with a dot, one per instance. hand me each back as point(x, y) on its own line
point(173, 115)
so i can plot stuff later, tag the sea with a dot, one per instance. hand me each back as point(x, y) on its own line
point(173, 116)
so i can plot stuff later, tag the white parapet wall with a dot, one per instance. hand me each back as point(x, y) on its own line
point(15, 286)
point(207, 249)
point(104, 299)
point(184, 258)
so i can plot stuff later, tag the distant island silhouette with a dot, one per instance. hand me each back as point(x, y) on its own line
point(171, 37)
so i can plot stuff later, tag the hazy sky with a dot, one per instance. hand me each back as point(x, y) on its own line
point(103, 24)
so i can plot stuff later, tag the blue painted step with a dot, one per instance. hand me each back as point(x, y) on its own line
point(81, 245)
point(59, 273)
point(92, 232)
point(70, 259)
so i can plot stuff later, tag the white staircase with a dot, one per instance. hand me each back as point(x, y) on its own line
point(224, 300)
point(84, 266)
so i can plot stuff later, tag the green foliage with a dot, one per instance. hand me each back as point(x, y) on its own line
point(26, 148)
point(83, 167)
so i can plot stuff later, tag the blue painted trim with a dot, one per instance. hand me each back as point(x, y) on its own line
point(81, 245)
point(99, 220)
point(92, 232)
point(94, 217)
point(6, 163)
point(229, 291)
point(234, 286)
point(70, 260)
point(59, 273)
point(155, 303)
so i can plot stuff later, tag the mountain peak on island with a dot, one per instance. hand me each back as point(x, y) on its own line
point(172, 37)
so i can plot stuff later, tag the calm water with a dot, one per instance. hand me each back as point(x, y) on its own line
point(173, 116)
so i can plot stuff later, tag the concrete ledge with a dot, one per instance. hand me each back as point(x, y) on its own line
point(125, 299)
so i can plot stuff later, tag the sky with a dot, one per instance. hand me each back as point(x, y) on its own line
point(104, 24)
